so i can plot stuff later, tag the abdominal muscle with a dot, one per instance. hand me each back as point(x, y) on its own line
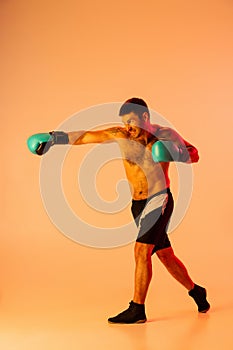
point(146, 181)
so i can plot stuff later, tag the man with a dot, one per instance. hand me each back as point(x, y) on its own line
point(146, 151)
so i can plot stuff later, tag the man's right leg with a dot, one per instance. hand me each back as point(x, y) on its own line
point(143, 273)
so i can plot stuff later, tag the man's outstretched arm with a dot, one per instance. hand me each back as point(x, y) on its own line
point(40, 143)
point(99, 136)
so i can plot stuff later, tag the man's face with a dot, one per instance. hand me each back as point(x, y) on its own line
point(134, 124)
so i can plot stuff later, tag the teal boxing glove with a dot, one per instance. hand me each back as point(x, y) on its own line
point(168, 151)
point(41, 143)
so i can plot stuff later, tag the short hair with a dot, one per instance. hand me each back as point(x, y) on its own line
point(136, 105)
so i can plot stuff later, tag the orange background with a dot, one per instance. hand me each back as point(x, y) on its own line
point(58, 57)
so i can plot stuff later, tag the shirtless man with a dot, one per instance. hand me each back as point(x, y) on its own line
point(146, 163)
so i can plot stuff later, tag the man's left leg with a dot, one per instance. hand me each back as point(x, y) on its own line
point(175, 267)
point(179, 272)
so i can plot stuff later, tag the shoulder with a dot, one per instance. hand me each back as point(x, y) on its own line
point(116, 132)
point(161, 131)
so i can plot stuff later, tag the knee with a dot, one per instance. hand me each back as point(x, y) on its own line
point(166, 255)
point(142, 251)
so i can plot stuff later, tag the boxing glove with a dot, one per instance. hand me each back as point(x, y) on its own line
point(168, 151)
point(41, 143)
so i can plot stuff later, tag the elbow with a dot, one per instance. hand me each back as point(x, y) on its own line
point(194, 157)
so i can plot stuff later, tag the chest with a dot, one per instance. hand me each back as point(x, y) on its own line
point(137, 153)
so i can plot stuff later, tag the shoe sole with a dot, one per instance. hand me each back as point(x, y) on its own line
point(137, 322)
point(204, 311)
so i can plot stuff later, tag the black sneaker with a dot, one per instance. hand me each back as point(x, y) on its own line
point(199, 295)
point(134, 314)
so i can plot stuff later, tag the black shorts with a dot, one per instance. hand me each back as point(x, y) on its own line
point(152, 216)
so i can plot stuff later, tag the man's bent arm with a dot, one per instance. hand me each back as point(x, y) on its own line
point(193, 152)
point(168, 134)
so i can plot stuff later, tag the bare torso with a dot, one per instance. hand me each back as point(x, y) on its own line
point(144, 175)
point(135, 140)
